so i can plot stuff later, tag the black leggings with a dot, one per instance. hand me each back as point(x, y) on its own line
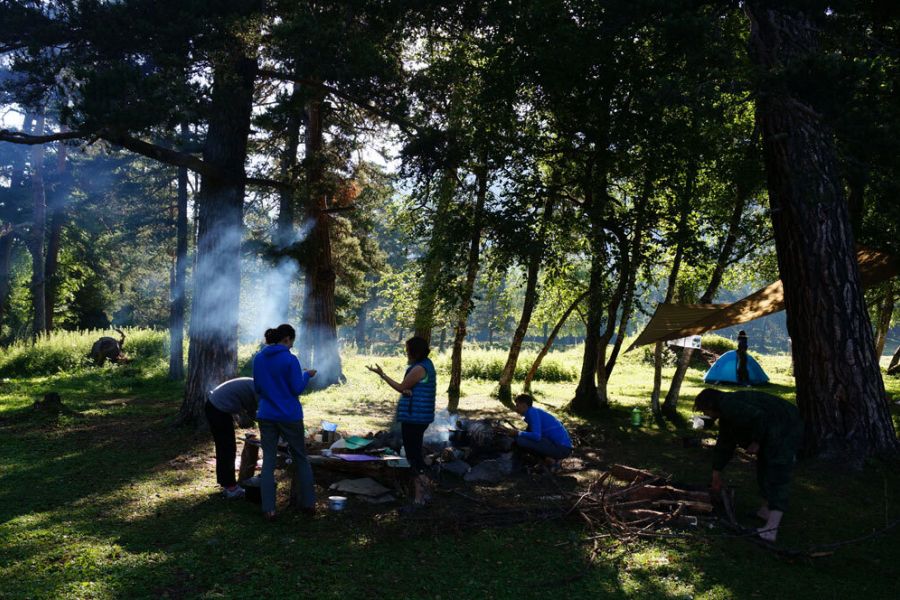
point(412, 441)
point(221, 424)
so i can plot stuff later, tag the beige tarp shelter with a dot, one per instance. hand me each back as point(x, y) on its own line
point(674, 321)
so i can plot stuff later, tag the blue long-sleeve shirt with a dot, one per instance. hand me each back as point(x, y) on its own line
point(542, 424)
point(278, 380)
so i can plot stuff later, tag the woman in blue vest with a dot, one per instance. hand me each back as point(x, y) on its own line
point(415, 410)
point(278, 380)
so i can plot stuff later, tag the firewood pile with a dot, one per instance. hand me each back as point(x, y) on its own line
point(631, 503)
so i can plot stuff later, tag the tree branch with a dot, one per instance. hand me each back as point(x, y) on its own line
point(18, 137)
point(138, 146)
point(403, 124)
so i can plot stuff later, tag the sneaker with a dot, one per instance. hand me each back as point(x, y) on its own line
point(234, 494)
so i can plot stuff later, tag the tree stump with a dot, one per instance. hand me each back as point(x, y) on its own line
point(249, 456)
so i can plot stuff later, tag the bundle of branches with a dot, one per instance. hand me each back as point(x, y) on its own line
point(632, 503)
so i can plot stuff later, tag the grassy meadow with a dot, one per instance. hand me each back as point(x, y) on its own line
point(110, 500)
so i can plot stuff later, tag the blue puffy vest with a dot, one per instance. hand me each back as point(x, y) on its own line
point(419, 408)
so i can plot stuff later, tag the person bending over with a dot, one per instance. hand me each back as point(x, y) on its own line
point(764, 425)
point(545, 435)
point(233, 399)
point(279, 380)
point(415, 410)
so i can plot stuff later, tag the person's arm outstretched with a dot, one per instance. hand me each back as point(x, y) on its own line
point(414, 376)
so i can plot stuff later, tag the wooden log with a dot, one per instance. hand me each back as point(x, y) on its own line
point(687, 505)
point(656, 492)
point(642, 513)
point(249, 456)
point(630, 474)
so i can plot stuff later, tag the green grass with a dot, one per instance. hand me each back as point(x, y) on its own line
point(112, 501)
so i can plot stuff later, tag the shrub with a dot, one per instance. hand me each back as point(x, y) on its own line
point(718, 344)
point(68, 350)
point(488, 364)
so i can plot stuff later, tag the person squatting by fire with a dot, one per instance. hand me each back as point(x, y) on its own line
point(765, 425)
point(545, 436)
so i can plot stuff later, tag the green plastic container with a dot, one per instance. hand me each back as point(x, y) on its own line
point(636, 417)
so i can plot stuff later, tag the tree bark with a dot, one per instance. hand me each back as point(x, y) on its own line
point(284, 232)
point(38, 234)
point(840, 392)
point(504, 389)
point(551, 337)
point(465, 303)
point(434, 259)
point(885, 312)
point(178, 277)
point(319, 318)
point(586, 398)
point(212, 354)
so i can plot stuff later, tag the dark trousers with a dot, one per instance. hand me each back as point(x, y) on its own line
point(412, 434)
point(221, 424)
point(544, 447)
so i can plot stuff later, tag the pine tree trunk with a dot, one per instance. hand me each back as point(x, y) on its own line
point(178, 283)
point(885, 312)
point(840, 392)
point(434, 260)
point(362, 314)
point(212, 354)
point(284, 227)
point(453, 390)
point(6, 246)
point(54, 238)
point(57, 219)
point(319, 319)
point(504, 389)
point(38, 234)
point(551, 337)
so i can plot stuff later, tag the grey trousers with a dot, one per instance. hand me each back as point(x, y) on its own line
point(292, 433)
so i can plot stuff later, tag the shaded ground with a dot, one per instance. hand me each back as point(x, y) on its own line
point(115, 502)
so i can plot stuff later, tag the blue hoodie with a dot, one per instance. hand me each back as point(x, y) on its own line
point(278, 380)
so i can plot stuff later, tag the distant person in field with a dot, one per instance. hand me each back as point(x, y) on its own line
point(743, 376)
point(233, 399)
point(545, 436)
point(765, 425)
point(415, 410)
point(279, 380)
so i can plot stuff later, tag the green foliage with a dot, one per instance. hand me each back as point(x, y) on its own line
point(479, 363)
point(718, 344)
point(63, 351)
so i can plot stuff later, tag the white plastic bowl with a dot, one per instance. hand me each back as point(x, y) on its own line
point(337, 502)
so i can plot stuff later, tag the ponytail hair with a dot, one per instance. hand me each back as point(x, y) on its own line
point(273, 336)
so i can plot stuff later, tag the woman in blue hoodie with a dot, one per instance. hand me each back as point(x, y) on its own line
point(278, 380)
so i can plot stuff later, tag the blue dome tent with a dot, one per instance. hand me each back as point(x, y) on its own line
point(725, 370)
